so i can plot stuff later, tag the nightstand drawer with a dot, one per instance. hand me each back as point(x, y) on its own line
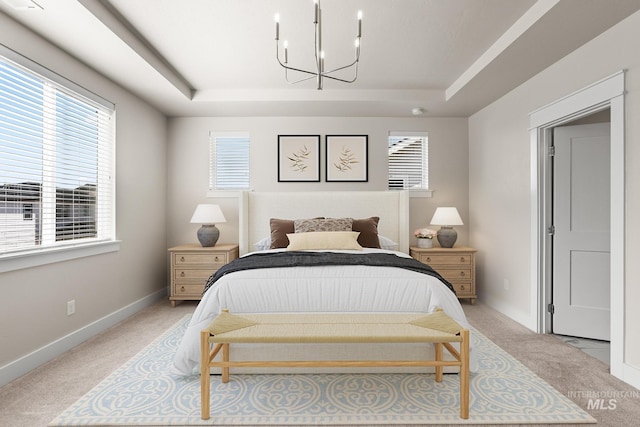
point(458, 275)
point(210, 259)
point(452, 259)
point(462, 288)
point(188, 290)
point(190, 275)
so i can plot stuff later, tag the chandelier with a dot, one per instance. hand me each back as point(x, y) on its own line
point(319, 73)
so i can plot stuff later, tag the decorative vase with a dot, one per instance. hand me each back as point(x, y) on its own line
point(425, 243)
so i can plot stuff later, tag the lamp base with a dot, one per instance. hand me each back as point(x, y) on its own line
point(208, 235)
point(447, 236)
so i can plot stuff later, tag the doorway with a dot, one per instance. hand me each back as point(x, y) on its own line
point(607, 93)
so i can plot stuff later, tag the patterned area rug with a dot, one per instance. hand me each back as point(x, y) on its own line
point(143, 392)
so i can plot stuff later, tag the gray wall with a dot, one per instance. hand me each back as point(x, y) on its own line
point(33, 314)
point(189, 153)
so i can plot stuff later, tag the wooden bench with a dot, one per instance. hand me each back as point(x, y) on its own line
point(436, 328)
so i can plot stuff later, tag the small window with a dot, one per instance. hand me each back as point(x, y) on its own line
point(229, 161)
point(408, 161)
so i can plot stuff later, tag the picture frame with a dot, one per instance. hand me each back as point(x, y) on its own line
point(347, 158)
point(298, 158)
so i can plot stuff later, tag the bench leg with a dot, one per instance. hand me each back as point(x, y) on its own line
point(439, 369)
point(225, 358)
point(205, 378)
point(464, 374)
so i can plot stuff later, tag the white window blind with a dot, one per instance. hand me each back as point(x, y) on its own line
point(56, 162)
point(229, 161)
point(408, 161)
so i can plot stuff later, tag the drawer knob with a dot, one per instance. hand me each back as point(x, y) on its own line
point(182, 258)
point(462, 259)
point(462, 273)
point(428, 259)
point(217, 259)
point(181, 288)
point(182, 274)
point(462, 287)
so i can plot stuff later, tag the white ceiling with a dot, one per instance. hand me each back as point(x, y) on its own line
point(217, 57)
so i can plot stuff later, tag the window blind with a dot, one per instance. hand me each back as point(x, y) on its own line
point(56, 163)
point(229, 161)
point(408, 161)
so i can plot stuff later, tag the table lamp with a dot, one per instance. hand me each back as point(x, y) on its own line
point(446, 218)
point(208, 216)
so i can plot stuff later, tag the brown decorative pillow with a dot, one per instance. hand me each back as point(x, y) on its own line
point(279, 230)
point(323, 224)
point(368, 228)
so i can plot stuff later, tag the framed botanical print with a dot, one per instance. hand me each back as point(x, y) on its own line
point(298, 158)
point(347, 158)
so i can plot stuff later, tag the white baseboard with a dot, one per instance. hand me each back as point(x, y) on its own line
point(631, 375)
point(21, 366)
point(524, 319)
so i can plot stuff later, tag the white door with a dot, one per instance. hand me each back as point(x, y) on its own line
point(581, 242)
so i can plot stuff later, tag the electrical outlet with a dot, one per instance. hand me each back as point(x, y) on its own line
point(71, 307)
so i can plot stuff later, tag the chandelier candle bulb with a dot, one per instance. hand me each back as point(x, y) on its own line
point(316, 8)
point(277, 18)
point(359, 23)
point(286, 52)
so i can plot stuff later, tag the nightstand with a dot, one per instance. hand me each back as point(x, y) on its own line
point(457, 265)
point(192, 265)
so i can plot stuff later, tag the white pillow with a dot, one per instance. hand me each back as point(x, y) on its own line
point(263, 244)
point(323, 240)
point(387, 243)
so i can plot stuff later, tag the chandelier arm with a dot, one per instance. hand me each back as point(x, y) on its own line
point(342, 68)
point(340, 80)
point(286, 77)
point(287, 67)
point(355, 77)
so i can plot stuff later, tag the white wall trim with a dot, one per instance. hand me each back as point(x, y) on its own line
point(51, 255)
point(23, 365)
point(583, 99)
point(608, 92)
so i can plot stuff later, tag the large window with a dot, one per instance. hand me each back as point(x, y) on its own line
point(408, 161)
point(229, 161)
point(56, 161)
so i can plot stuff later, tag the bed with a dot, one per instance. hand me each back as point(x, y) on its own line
point(321, 288)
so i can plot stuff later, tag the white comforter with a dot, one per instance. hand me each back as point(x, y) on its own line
point(317, 289)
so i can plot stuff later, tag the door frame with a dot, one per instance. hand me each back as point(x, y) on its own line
point(606, 93)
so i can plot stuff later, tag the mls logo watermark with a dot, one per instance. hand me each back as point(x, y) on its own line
point(602, 404)
point(603, 400)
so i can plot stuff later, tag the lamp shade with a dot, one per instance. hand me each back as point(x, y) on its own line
point(208, 214)
point(446, 216)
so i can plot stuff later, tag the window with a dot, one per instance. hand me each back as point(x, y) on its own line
point(408, 161)
point(229, 161)
point(56, 161)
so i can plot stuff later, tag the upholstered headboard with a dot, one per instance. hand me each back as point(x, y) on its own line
point(256, 208)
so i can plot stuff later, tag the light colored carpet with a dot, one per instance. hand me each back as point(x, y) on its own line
point(143, 392)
